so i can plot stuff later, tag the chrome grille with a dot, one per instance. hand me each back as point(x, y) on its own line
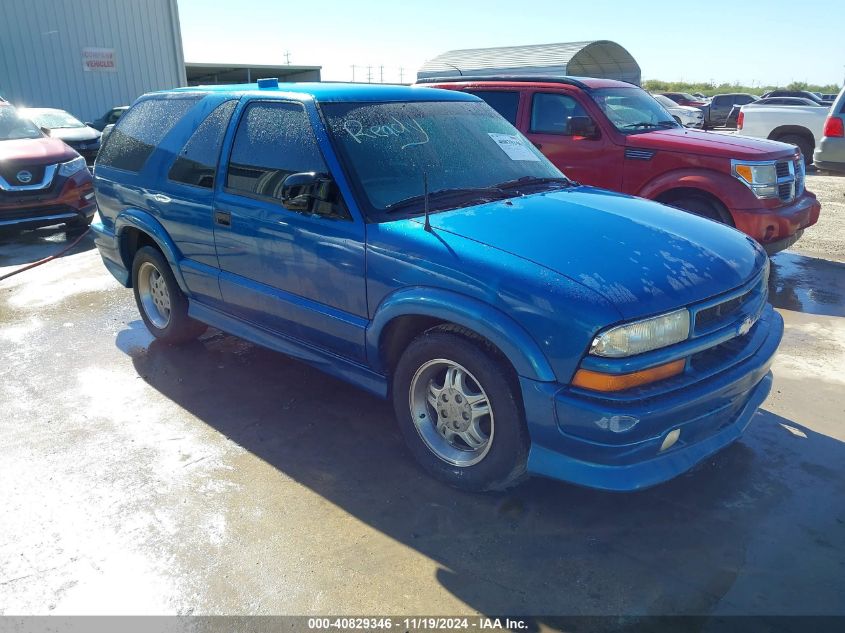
point(787, 179)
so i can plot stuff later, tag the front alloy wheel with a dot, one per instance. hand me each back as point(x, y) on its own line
point(452, 412)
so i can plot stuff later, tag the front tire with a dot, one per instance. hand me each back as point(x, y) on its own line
point(457, 407)
point(702, 206)
point(163, 306)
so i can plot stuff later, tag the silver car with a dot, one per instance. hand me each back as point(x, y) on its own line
point(685, 115)
point(830, 151)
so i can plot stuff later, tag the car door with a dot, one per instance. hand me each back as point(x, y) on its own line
point(593, 161)
point(299, 274)
point(720, 107)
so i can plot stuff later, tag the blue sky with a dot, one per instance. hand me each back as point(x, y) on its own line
point(752, 41)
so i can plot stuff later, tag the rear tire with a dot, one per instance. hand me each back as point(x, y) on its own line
point(162, 304)
point(804, 143)
point(436, 410)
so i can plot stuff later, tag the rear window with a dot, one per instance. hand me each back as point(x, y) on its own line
point(505, 103)
point(141, 129)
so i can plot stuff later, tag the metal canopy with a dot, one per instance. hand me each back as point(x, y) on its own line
point(600, 58)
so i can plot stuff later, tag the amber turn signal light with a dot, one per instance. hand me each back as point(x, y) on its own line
point(598, 381)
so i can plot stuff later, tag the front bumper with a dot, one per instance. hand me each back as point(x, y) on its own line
point(710, 415)
point(70, 201)
point(774, 227)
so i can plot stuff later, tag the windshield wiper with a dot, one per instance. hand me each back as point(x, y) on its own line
point(444, 195)
point(646, 124)
point(527, 181)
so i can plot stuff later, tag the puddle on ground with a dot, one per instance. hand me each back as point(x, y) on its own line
point(807, 284)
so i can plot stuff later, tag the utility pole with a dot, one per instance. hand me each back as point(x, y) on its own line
point(287, 58)
point(401, 75)
point(369, 74)
point(353, 73)
point(381, 74)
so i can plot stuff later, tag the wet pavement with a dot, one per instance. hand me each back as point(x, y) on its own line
point(224, 478)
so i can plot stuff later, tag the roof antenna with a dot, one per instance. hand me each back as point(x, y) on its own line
point(427, 225)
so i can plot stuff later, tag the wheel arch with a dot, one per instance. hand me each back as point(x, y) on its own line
point(409, 312)
point(798, 130)
point(135, 229)
point(716, 186)
point(679, 193)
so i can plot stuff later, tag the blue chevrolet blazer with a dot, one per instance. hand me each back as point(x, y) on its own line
point(412, 242)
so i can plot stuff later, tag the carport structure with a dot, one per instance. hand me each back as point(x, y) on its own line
point(599, 58)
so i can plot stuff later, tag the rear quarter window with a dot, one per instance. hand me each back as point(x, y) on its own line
point(140, 130)
point(196, 163)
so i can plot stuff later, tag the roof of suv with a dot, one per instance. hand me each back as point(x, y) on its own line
point(587, 83)
point(327, 91)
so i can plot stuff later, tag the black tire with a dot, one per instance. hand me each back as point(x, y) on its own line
point(78, 226)
point(504, 464)
point(804, 143)
point(179, 327)
point(700, 205)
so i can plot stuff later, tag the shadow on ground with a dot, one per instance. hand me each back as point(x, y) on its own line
point(544, 547)
point(807, 284)
point(18, 248)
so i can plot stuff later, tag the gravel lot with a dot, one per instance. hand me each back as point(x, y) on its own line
point(224, 478)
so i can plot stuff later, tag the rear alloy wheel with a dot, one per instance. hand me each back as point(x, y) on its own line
point(163, 306)
point(458, 411)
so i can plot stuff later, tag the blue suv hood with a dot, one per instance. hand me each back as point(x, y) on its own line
point(644, 257)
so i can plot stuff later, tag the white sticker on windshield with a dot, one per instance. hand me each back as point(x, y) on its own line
point(513, 146)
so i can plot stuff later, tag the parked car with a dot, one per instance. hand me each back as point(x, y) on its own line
point(799, 125)
point(686, 99)
point(42, 180)
point(829, 97)
point(830, 153)
point(805, 94)
point(109, 118)
point(614, 135)
point(701, 96)
point(717, 113)
point(65, 126)
point(412, 242)
point(685, 115)
point(779, 101)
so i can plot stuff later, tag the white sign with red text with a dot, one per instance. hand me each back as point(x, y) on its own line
point(99, 60)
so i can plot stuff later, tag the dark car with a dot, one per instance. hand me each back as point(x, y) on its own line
point(109, 118)
point(804, 94)
point(63, 125)
point(42, 180)
point(733, 116)
point(686, 99)
point(414, 243)
point(716, 115)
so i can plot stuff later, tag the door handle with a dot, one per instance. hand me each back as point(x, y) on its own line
point(223, 218)
point(160, 197)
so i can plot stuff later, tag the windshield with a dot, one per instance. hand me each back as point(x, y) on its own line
point(54, 119)
point(13, 126)
point(632, 110)
point(464, 148)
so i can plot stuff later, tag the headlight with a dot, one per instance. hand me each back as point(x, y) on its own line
point(72, 166)
point(761, 178)
point(643, 336)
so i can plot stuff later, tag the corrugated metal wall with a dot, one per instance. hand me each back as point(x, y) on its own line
point(41, 44)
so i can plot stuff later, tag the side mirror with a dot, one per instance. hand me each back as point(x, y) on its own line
point(45, 131)
point(582, 126)
point(301, 189)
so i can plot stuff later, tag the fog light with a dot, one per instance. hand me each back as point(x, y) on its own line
point(618, 423)
point(670, 440)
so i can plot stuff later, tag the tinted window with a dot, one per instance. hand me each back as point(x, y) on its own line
point(140, 130)
point(505, 103)
point(721, 101)
point(550, 113)
point(743, 99)
point(197, 162)
point(273, 141)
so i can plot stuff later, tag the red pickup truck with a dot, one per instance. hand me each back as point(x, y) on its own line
point(614, 135)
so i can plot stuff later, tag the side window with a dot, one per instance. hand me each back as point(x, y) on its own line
point(550, 113)
point(505, 103)
point(718, 102)
point(196, 164)
point(140, 130)
point(275, 140)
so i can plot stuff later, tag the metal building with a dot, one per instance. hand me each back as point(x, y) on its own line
point(600, 58)
point(86, 56)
